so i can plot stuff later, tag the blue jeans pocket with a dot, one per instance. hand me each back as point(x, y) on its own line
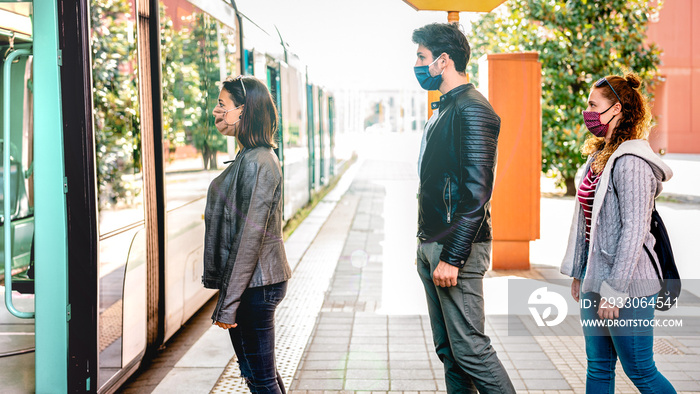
point(274, 294)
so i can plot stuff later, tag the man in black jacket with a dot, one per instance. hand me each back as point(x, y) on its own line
point(456, 167)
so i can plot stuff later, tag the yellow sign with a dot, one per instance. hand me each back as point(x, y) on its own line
point(454, 5)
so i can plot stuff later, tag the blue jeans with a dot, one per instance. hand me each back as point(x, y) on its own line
point(633, 345)
point(457, 320)
point(254, 338)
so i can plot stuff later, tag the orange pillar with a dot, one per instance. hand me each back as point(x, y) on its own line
point(453, 17)
point(511, 83)
point(658, 137)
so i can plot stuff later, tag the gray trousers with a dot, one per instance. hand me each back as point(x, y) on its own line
point(457, 319)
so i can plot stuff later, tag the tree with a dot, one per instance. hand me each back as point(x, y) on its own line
point(191, 72)
point(578, 42)
point(116, 100)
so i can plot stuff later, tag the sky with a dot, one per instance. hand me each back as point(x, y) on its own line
point(364, 44)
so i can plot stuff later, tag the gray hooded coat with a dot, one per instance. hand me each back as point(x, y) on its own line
point(617, 266)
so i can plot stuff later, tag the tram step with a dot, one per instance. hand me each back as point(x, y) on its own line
point(23, 284)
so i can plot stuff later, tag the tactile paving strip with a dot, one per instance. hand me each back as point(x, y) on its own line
point(296, 315)
point(663, 346)
point(110, 325)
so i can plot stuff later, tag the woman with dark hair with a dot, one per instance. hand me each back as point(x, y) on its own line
point(614, 278)
point(244, 255)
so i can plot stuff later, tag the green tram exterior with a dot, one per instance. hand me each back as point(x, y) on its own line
point(112, 147)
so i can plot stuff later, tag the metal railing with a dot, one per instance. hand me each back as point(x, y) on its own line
point(7, 170)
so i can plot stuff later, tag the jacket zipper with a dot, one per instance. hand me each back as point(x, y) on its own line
point(448, 187)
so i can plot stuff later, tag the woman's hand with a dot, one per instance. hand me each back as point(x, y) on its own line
point(608, 311)
point(576, 289)
point(224, 325)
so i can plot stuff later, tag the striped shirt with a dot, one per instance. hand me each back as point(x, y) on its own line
point(586, 193)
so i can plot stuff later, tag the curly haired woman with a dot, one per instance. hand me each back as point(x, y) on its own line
point(614, 279)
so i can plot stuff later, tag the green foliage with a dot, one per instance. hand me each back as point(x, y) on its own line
point(116, 100)
point(191, 72)
point(578, 42)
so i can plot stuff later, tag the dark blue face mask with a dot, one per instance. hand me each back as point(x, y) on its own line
point(427, 81)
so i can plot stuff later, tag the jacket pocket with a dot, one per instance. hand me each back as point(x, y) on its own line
point(447, 198)
point(608, 256)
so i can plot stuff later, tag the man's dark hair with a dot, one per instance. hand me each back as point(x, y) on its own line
point(445, 38)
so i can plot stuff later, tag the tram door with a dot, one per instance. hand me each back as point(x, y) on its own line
point(331, 134)
point(273, 83)
point(311, 131)
point(17, 201)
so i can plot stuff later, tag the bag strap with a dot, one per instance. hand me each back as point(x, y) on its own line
point(651, 257)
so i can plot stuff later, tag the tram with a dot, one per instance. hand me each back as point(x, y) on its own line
point(108, 149)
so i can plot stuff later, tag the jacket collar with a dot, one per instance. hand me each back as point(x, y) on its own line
point(639, 148)
point(449, 96)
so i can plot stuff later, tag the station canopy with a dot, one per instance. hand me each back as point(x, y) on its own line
point(454, 5)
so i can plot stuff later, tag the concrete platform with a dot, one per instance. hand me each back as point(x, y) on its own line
point(355, 319)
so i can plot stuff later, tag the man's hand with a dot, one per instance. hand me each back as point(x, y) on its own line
point(224, 325)
point(445, 275)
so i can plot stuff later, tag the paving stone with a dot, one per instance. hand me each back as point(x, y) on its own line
point(323, 365)
point(367, 374)
point(406, 333)
point(688, 367)
point(359, 384)
point(678, 375)
point(409, 364)
point(405, 347)
point(399, 339)
point(369, 340)
point(371, 326)
point(526, 364)
point(331, 340)
point(546, 384)
point(441, 385)
point(321, 374)
point(530, 356)
point(519, 347)
point(328, 347)
point(411, 374)
point(518, 384)
point(333, 327)
point(402, 384)
point(367, 347)
point(407, 356)
point(540, 374)
point(327, 356)
point(687, 385)
point(368, 364)
point(318, 384)
point(375, 356)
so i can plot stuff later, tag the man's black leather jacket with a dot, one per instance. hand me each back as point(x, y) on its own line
point(457, 174)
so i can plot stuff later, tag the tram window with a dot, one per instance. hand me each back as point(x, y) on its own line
point(21, 133)
point(120, 183)
point(198, 51)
